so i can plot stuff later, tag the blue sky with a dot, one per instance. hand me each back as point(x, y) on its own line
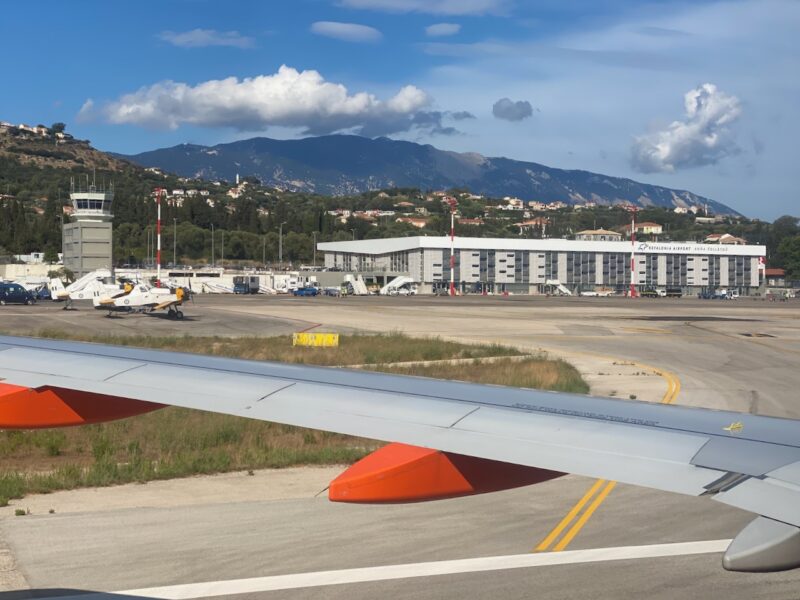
point(692, 95)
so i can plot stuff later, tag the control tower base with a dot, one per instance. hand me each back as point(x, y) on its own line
point(87, 246)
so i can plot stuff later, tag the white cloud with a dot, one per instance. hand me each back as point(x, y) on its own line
point(86, 113)
point(442, 29)
point(703, 138)
point(512, 111)
point(589, 104)
point(348, 32)
point(433, 7)
point(200, 38)
point(288, 98)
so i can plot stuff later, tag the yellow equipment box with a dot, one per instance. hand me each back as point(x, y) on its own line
point(320, 340)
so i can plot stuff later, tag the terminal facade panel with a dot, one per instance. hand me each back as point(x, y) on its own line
point(536, 266)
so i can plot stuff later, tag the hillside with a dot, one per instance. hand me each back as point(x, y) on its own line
point(345, 164)
point(44, 152)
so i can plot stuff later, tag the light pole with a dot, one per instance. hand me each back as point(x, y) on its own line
point(212, 244)
point(633, 253)
point(314, 249)
point(280, 243)
point(159, 193)
point(354, 233)
point(174, 242)
point(264, 251)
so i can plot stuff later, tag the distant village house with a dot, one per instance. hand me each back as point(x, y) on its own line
point(598, 235)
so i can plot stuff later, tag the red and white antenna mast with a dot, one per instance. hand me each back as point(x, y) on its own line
point(633, 210)
point(452, 203)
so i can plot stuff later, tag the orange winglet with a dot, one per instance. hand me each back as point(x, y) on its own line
point(28, 408)
point(403, 473)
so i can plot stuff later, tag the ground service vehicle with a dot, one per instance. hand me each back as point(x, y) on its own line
point(14, 293)
point(245, 284)
point(42, 293)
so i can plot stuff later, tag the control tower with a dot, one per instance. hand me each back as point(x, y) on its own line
point(88, 241)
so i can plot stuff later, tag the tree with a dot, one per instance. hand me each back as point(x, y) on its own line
point(789, 250)
point(50, 255)
point(65, 274)
point(57, 128)
point(783, 228)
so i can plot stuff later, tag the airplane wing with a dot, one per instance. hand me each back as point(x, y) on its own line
point(165, 304)
point(747, 461)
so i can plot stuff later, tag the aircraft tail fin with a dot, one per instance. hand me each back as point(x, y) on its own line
point(57, 289)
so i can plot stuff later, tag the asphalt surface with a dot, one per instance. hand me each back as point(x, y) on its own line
point(742, 354)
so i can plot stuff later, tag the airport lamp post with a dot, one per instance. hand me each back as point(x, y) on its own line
point(264, 251)
point(280, 243)
point(212, 244)
point(354, 233)
point(174, 242)
point(159, 192)
point(314, 249)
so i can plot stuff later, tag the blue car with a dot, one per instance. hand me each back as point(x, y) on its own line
point(306, 291)
point(14, 293)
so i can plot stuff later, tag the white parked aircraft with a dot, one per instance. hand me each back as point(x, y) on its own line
point(141, 298)
point(83, 289)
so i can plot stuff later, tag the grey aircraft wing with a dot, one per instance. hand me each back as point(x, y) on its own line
point(751, 462)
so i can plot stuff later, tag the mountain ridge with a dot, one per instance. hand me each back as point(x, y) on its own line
point(346, 164)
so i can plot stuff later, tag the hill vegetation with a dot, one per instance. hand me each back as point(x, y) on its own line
point(35, 175)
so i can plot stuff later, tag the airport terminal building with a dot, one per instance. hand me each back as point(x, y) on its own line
point(526, 266)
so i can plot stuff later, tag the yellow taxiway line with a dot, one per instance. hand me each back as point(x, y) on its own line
point(580, 514)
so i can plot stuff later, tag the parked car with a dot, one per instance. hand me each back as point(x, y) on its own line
point(674, 292)
point(14, 293)
point(306, 291)
point(650, 293)
point(403, 291)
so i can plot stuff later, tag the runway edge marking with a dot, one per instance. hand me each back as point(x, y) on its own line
point(213, 589)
